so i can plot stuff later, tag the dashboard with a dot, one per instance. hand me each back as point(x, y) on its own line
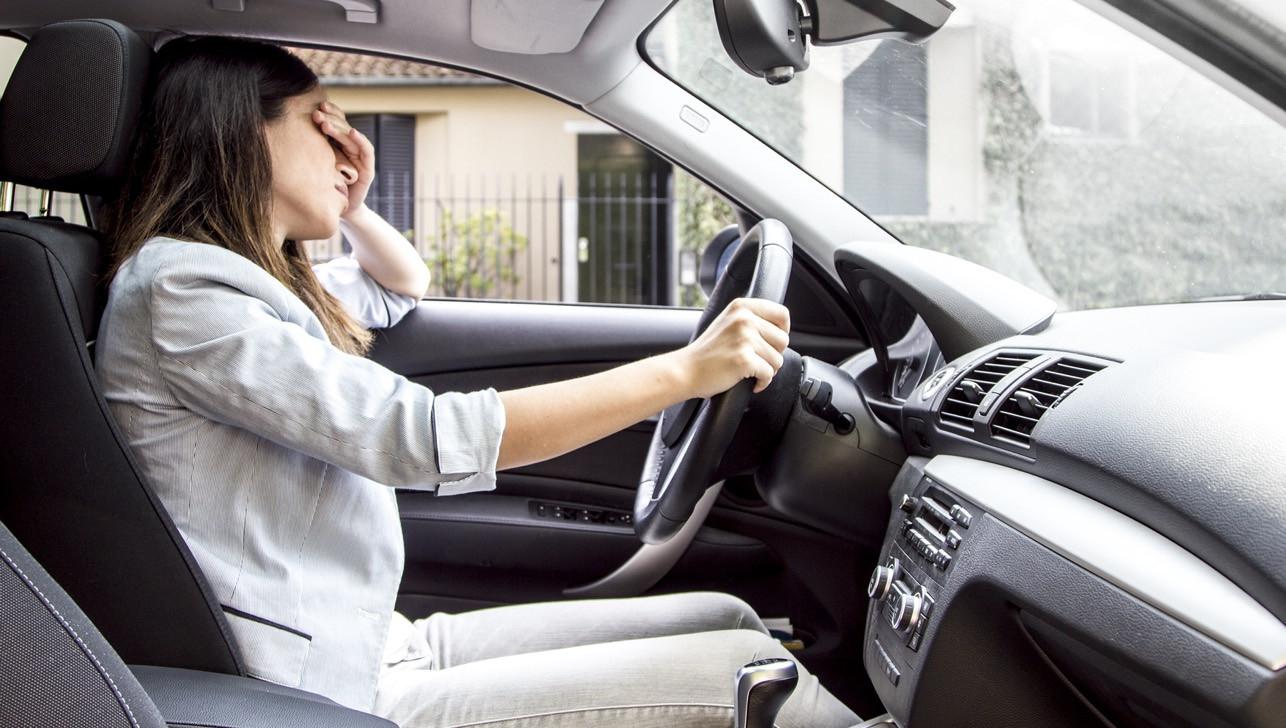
point(1089, 525)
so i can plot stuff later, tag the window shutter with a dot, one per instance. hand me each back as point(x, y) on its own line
point(395, 167)
point(392, 194)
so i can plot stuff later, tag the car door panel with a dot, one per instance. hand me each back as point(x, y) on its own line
point(487, 549)
point(442, 336)
point(490, 548)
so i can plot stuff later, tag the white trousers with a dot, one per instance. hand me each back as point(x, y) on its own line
point(646, 662)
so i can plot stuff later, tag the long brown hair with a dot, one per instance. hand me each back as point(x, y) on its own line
point(202, 171)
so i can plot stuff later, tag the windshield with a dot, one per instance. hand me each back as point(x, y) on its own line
point(1033, 137)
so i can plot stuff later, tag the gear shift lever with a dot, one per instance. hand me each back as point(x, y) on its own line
point(762, 688)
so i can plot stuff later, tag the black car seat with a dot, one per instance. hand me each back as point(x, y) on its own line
point(70, 490)
point(56, 669)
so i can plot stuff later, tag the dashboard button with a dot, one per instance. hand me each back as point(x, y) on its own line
point(886, 664)
point(913, 537)
point(961, 516)
point(935, 383)
point(926, 608)
point(954, 539)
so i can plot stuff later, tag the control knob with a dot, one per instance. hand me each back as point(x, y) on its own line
point(906, 608)
point(909, 502)
point(882, 580)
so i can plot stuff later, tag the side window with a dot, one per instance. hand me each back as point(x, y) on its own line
point(508, 194)
point(21, 198)
point(10, 49)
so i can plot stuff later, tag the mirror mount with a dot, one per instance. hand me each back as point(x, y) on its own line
point(769, 38)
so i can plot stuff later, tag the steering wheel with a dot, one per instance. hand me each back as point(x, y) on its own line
point(691, 437)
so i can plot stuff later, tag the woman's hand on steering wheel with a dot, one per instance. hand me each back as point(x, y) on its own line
point(745, 341)
point(741, 336)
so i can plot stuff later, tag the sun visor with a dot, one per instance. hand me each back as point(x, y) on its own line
point(532, 27)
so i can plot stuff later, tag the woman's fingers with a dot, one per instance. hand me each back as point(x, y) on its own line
point(769, 353)
point(745, 341)
point(335, 125)
point(774, 313)
point(769, 321)
point(354, 145)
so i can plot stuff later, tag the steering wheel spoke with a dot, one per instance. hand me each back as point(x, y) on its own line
point(676, 420)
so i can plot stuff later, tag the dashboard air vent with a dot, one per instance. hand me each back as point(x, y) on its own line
point(966, 396)
point(1020, 411)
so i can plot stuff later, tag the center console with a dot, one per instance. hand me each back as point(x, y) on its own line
point(928, 533)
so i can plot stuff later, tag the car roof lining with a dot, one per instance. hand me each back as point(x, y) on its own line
point(536, 28)
point(443, 31)
point(440, 32)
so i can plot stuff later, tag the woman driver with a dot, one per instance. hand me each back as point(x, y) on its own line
point(236, 373)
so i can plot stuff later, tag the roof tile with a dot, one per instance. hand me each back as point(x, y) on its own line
point(342, 65)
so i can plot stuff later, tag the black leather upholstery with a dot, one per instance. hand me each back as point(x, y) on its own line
point(55, 668)
point(208, 700)
point(69, 488)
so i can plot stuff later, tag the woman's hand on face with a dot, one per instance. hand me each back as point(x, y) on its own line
point(746, 340)
point(352, 144)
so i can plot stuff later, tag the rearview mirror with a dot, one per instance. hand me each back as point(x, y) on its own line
point(763, 37)
point(844, 21)
point(769, 38)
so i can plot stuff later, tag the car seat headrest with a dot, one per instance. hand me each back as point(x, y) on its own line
point(71, 106)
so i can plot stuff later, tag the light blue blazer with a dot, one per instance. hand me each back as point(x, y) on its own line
point(276, 454)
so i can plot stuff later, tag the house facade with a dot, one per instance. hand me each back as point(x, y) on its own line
point(504, 191)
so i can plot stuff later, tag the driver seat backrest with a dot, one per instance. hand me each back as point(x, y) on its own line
point(70, 489)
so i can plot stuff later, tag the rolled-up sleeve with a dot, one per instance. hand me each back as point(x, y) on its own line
point(229, 351)
point(373, 305)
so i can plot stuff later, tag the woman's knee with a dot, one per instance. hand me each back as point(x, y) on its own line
point(731, 610)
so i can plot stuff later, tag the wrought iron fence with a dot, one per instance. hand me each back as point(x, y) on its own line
point(535, 237)
point(526, 238)
point(624, 241)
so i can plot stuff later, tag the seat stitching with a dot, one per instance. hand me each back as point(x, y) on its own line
point(72, 631)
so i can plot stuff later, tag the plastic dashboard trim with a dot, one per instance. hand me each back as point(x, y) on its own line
point(1122, 551)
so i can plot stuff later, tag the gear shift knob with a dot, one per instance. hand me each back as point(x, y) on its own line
point(762, 688)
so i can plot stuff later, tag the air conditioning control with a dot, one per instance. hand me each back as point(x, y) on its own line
point(882, 579)
point(905, 607)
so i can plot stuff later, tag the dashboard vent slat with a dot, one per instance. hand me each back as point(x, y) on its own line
point(965, 397)
point(1022, 409)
